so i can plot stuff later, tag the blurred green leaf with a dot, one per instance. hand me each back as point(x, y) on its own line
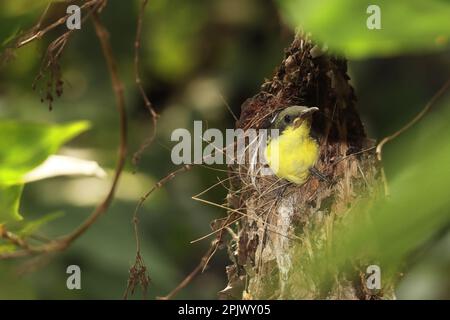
point(9, 203)
point(387, 231)
point(31, 227)
point(24, 146)
point(7, 248)
point(11, 37)
point(406, 26)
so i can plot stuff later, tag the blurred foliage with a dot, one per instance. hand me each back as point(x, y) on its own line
point(28, 228)
point(9, 203)
point(412, 26)
point(197, 56)
point(389, 231)
point(27, 145)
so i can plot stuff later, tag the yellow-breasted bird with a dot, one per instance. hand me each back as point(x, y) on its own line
point(293, 154)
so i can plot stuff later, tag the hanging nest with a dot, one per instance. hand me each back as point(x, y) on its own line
point(273, 216)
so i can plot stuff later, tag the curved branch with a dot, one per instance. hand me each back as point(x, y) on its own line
point(63, 242)
point(416, 119)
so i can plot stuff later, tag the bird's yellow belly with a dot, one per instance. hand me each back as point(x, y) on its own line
point(292, 154)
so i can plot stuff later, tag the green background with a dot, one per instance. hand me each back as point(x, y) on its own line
point(195, 56)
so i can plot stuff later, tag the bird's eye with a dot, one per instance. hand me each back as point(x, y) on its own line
point(287, 118)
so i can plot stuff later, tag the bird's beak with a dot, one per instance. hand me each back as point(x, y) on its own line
point(310, 111)
point(298, 121)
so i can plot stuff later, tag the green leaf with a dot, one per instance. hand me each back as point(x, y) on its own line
point(24, 146)
point(31, 227)
point(11, 37)
point(7, 248)
point(9, 203)
point(412, 26)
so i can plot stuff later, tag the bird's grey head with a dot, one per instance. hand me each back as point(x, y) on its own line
point(293, 115)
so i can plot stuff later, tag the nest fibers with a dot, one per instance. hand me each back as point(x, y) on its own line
point(274, 219)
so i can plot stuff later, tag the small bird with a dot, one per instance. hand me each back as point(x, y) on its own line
point(293, 153)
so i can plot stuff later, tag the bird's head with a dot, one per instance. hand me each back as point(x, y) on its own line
point(293, 116)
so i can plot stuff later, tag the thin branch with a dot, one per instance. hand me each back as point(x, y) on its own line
point(37, 33)
point(416, 119)
point(138, 272)
point(353, 154)
point(199, 268)
point(63, 242)
point(13, 238)
point(204, 260)
point(229, 108)
point(103, 37)
point(137, 68)
point(50, 64)
point(15, 254)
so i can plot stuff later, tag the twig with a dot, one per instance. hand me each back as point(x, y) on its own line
point(63, 242)
point(36, 35)
point(50, 63)
point(15, 254)
point(419, 116)
point(201, 266)
point(416, 119)
point(138, 272)
point(137, 46)
point(12, 238)
point(103, 37)
point(229, 108)
point(353, 154)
